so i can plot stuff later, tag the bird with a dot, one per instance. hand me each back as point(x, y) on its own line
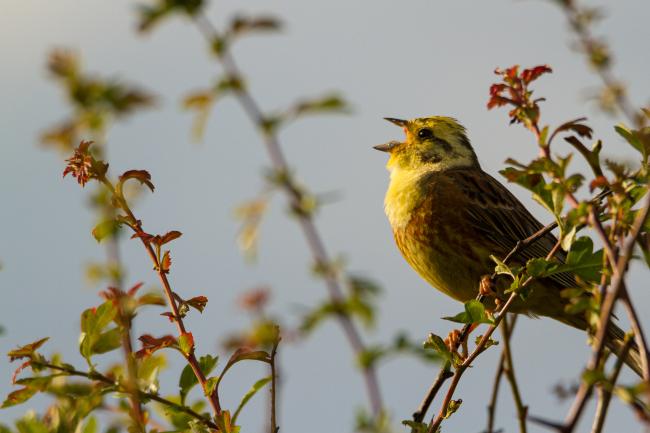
point(448, 217)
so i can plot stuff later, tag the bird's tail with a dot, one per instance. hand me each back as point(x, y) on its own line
point(615, 341)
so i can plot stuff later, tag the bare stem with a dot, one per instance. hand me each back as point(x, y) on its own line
point(509, 370)
point(605, 396)
point(607, 308)
point(311, 233)
point(492, 406)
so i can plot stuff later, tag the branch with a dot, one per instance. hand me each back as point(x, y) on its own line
point(311, 233)
point(607, 308)
point(98, 377)
point(136, 226)
point(509, 370)
point(606, 393)
point(495, 393)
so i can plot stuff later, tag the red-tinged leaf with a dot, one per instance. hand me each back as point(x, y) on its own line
point(186, 343)
point(150, 344)
point(146, 237)
point(26, 351)
point(534, 73)
point(576, 126)
point(170, 236)
point(134, 288)
point(169, 315)
point(19, 396)
point(599, 182)
point(141, 176)
point(23, 366)
point(498, 101)
point(198, 302)
point(244, 353)
point(166, 263)
point(496, 89)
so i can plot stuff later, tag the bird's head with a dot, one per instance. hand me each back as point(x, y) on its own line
point(432, 143)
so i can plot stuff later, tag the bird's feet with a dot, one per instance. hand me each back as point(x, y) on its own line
point(486, 286)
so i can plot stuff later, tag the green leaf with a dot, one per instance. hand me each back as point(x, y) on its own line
point(328, 103)
point(251, 392)
point(436, 343)
point(582, 260)
point(454, 405)
point(474, 313)
point(416, 427)
point(186, 343)
point(629, 136)
point(91, 425)
point(107, 341)
point(106, 229)
point(188, 379)
point(501, 268)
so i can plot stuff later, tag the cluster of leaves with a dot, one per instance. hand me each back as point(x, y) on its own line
point(95, 102)
point(107, 327)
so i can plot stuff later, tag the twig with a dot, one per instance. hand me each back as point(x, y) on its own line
point(509, 371)
point(312, 235)
point(521, 245)
point(169, 293)
point(435, 422)
point(603, 70)
point(492, 406)
point(98, 377)
point(274, 422)
point(606, 392)
point(607, 308)
point(444, 374)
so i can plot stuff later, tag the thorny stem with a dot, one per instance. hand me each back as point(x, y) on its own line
point(169, 294)
point(509, 370)
point(605, 393)
point(607, 308)
point(480, 347)
point(435, 422)
point(98, 377)
point(444, 373)
point(309, 229)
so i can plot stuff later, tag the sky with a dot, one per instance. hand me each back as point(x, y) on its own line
point(389, 59)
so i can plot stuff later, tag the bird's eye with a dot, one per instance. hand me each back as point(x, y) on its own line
point(425, 133)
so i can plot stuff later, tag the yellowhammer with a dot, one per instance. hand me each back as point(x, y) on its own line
point(448, 216)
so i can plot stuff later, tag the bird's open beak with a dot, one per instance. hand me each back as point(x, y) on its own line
point(398, 122)
point(387, 147)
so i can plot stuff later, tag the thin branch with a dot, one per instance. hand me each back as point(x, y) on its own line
point(589, 45)
point(606, 392)
point(98, 377)
point(492, 406)
point(311, 233)
point(435, 422)
point(444, 374)
point(607, 308)
point(169, 293)
point(274, 379)
point(509, 370)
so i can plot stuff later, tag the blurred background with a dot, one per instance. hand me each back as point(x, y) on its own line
point(398, 59)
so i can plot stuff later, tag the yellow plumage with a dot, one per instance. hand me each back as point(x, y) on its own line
point(448, 216)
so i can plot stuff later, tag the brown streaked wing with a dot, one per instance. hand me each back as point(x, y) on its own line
point(502, 219)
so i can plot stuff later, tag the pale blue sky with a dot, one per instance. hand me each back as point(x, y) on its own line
point(399, 59)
